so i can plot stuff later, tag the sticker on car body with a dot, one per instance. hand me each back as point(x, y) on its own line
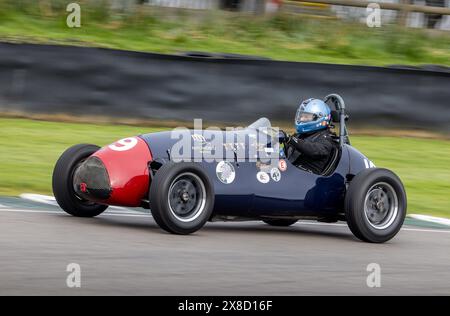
point(282, 165)
point(225, 172)
point(263, 177)
point(369, 164)
point(275, 174)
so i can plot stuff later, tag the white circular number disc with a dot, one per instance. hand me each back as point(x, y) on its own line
point(124, 144)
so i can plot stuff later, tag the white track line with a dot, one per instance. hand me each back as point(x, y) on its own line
point(405, 229)
point(62, 213)
point(122, 211)
point(39, 198)
point(50, 200)
point(426, 230)
point(431, 219)
point(29, 211)
point(148, 216)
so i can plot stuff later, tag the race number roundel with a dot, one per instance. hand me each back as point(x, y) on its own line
point(124, 144)
point(282, 165)
point(225, 172)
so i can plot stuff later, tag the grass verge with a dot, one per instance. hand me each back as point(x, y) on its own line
point(29, 150)
point(281, 36)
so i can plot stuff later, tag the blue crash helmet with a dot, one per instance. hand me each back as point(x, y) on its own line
point(312, 115)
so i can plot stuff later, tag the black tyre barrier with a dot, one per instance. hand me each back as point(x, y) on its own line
point(214, 87)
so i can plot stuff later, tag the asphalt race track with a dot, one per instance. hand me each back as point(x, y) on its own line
point(123, 252)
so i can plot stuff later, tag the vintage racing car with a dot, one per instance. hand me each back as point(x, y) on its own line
point(183, 195)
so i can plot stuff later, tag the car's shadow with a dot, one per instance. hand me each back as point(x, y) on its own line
point(147, 224)
point(255, 227)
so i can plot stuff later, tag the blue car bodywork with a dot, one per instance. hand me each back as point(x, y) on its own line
point(188, 177)
point(298, 193)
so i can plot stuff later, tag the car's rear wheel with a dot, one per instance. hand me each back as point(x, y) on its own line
point(62, 182)
point(375, 205)
point(280, 222)
point(181, 197)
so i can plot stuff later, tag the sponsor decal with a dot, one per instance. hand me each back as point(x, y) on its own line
point(83, 187)
point(198, 138)
point(275, 174)
point(282, 165)
point(369, 164)
point(234, 146)
point(263, 177)
point(225, 172)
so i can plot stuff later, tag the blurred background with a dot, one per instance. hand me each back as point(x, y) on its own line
point(139, 66)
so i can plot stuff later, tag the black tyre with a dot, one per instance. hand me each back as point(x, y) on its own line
point(62, 182)
point(281, 222)
point(375, 205)
point(181, 197)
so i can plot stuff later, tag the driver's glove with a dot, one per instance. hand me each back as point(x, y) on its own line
point(282, 136)
point(293, 141)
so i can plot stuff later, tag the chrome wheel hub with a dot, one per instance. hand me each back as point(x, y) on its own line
point(381, 205)
point(187, 197)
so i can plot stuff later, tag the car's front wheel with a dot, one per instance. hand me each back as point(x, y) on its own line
point(375, 205)
point(181, 197)
point(62, 182)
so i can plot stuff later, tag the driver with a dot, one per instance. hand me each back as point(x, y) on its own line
point(312, 145)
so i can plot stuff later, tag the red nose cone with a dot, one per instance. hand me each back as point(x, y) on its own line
point(126, 162)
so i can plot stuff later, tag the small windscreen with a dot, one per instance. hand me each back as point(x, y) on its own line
point(262, 123)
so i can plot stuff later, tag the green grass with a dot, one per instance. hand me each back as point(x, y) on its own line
point(29, 150)
point(281, 37)
point(422, 164)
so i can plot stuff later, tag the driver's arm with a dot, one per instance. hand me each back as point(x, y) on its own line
point(317, 148)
